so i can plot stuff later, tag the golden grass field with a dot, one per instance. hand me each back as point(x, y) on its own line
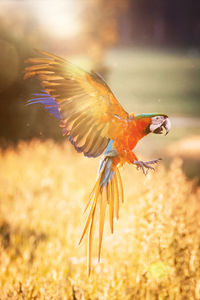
point(153, 253)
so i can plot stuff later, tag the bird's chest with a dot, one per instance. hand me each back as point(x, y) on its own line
point(126, 142)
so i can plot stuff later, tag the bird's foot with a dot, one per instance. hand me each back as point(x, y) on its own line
point(146, 165)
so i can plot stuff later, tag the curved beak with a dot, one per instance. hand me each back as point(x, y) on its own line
point(158, 128)
point(167, 125)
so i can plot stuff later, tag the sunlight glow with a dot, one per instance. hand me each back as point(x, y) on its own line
point(59, 18)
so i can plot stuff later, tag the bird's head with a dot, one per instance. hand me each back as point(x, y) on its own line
point(154, 123)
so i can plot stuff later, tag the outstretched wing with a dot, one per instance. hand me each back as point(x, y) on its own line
point(90, 114)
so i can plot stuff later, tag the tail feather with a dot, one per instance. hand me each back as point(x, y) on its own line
point(103, 204)
point(107, 191)
point(111, 203)
point(90, 217)
point(116, 197)
point(121, 191)
point(91, 236)
point(91, 196)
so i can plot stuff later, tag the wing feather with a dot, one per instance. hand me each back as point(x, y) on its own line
point(76, 92)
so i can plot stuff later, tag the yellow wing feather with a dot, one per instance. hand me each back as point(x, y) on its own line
point(91, 115)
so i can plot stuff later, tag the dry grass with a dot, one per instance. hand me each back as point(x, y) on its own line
point(153, 254)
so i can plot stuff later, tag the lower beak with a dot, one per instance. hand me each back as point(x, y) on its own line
point(167, 125)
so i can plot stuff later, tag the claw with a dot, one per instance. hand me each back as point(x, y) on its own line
point(146, 164)
point(155, 161)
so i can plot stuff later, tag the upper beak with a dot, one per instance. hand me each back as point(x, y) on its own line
point(158, 128)
point(167, 125)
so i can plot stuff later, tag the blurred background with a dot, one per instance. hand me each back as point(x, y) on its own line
point(149, 53)
point(147, 50)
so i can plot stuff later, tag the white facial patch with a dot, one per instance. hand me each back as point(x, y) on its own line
point(158, 122)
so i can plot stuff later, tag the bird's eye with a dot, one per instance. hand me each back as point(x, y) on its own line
point(156, 118)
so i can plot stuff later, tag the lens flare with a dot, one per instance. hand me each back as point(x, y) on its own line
point(59, 18)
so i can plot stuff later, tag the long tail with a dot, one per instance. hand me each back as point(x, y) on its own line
point(108, 190)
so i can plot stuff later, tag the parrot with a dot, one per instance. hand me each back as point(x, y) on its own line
point(96, 124)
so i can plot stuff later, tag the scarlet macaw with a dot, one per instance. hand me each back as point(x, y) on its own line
point(95, 123)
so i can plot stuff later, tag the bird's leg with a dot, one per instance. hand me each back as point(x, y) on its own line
point(146, 165)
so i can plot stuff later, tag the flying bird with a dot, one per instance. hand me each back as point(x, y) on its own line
point(96, 124)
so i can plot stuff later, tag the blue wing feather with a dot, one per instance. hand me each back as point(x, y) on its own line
point(49, 103)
